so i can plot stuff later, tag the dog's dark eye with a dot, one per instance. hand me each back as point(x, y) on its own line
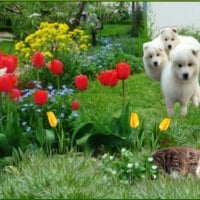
point(158, 54)
point(150, 56)
point(172, 39)
point(180, 65)
point(165, 39)
point(189, 64)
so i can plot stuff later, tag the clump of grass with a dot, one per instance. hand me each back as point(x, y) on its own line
point(70, 176)
point(74, 176)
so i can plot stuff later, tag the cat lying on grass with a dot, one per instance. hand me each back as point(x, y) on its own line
point(177, 161)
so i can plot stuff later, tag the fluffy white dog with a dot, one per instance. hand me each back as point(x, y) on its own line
point(179, 80)
point(154, 59)
point(170, 38)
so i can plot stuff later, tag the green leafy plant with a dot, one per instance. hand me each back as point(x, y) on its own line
point(11, 133)
point(158, 136)
point(91, 137)
point(126, 169)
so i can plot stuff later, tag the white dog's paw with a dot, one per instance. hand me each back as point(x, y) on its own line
point(170, 111)
point(196, 100)
point(183, 111)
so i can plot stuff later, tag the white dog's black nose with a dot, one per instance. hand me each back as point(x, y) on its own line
point(169, 46)
point(155, 63)
point(185, 76)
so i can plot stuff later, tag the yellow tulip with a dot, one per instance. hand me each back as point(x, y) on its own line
point(52, 119)
point(164, 124)
point(134, 120)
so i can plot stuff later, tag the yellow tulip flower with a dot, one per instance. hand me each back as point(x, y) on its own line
point(134, 120)
point(52, 119)
point(164, 124)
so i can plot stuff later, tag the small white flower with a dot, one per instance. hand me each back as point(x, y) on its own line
point(105, 178)
point(126, 182)
point(62, 115)
point(38, 110)
point(136, 165)
point(154, 167)
point(23, 109)
point(114, 172)
point(104, 156)
point(123, 150)
point(153, 177)
point(130, 165)
point(150, 159)
point(24, 123)
point(28, 129)
point(111, 157)
point(143, 176)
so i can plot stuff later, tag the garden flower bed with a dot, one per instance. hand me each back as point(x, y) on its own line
point(58, 99)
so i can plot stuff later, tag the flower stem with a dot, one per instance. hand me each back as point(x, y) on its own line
point(8, 106)
point(38, 76)
point(1, 105)
point(58, 82)
point(123, 93)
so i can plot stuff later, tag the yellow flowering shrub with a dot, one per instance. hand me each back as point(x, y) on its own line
point(51, 38)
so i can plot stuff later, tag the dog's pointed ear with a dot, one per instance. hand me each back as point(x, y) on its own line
point(145, 46)
point(161, 31)
point(195, 51)
point(174, 29)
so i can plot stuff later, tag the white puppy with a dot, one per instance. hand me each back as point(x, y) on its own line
point(179, 80)
point(170, 38)
point(154, 59)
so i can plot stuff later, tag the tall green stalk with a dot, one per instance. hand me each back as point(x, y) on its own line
point(58, 82)
point(1, 105)
point(123, 93)
point(38, 75)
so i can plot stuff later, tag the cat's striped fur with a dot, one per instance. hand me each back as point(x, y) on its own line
point(178, 160)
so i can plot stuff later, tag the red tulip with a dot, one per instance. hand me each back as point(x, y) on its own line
point(108, 78)
point(123, 70)
point(38, 59)
point(1, 56)
point(40, 97)
point(75, 105)
point(56, 67)
point(7, 82)
point(81, 82)
point(15, 94)
point(1, 53)
point(9, 61)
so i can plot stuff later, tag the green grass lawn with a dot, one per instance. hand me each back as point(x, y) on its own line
point(115, 29)
point(77, 176)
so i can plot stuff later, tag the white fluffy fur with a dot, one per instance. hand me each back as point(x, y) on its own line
point(170, 38)
point(154, 59)
point(179, 80)
point(198, 170)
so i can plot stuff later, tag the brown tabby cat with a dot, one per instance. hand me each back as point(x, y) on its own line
point(178, 160)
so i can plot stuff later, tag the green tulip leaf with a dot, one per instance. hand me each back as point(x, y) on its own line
point(50, 136)
point(81, 131)
point(5, 148)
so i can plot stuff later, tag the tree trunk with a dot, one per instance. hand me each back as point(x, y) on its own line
point(77, 19)
point(94, 38)
point(134, 21)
